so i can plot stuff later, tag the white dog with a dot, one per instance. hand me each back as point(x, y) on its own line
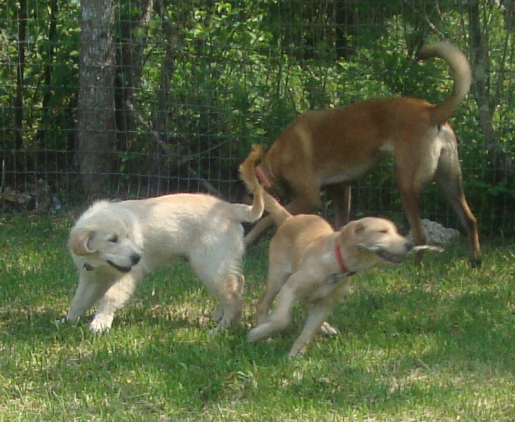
point(114, 244)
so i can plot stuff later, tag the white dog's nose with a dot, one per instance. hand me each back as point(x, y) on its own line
point(135, 257)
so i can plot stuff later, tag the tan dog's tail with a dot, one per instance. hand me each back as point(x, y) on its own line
point(248, 175)
point(462, 77)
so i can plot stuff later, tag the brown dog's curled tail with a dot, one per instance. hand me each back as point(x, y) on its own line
point(248, 175)
point(462, 78)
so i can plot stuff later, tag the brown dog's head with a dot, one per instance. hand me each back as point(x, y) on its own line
point(103, 238)
point(374, 241)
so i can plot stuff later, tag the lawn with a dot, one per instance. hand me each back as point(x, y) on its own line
point(434, 343)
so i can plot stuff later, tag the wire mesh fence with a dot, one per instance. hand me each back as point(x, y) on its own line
point(140, 98)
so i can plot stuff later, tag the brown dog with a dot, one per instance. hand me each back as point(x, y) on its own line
point(337, 146)
point(307, 258)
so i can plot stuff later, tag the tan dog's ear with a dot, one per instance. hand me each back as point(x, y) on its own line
point(358, 227)
point(78, 242)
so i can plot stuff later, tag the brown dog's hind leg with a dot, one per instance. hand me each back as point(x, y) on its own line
point(450, 185)
point(410, 198)
point(340, 194)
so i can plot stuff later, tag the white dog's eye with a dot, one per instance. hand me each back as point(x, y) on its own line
point(113, 239)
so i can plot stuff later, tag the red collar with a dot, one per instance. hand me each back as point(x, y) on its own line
point(341, 263)
point(263, 177)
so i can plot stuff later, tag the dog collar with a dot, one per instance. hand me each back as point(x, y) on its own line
point(263, 176)
point(341, 263)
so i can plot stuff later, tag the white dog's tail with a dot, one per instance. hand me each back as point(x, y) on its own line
point(248, 175)
point(462, 78)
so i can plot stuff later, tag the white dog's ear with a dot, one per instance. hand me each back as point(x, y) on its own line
point(79, 241)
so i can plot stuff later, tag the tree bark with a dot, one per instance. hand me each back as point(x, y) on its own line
point(96, 107)
point(481, 71)
point(20, 76)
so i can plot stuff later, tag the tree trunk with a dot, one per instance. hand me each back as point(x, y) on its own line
point(96, 111)
point(129, 69)
point(20, 76)
point(481, 71)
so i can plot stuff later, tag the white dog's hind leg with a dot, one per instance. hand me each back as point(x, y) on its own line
point(115, 298)
point(89, 290)
point(221, 308)
point(229, 293)
point(217, 268)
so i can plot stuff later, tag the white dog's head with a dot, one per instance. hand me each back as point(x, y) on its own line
point(104, 238)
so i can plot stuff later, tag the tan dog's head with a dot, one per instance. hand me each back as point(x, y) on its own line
point(374, 241)
point(101, 238)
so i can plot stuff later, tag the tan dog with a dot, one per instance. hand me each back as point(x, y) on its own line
point(114, 244)
point(337, 146)
point(307, 258)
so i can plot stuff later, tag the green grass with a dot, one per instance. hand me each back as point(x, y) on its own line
point(434, 343)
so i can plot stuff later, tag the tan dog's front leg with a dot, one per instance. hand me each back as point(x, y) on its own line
point(276, 278)
point(317, 314)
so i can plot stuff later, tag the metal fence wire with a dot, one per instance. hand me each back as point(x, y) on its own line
point(130, 99)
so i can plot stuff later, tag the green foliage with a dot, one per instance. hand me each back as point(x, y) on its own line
point(212, 77)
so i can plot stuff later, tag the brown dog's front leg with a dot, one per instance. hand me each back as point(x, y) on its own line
point(340, 195)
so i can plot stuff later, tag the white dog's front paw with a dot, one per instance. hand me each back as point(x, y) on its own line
point(59, 322)
point(100, 324)
point(328, 329)
point(252, 336)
